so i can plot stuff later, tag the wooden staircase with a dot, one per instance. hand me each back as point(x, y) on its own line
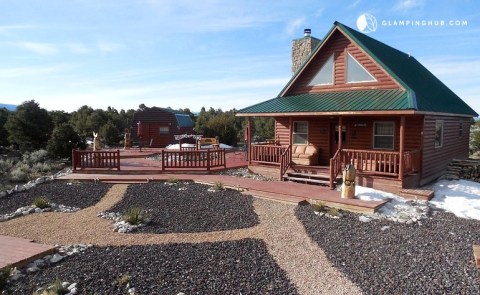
point(315, 175)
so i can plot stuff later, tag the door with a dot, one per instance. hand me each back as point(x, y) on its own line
point(334, 138)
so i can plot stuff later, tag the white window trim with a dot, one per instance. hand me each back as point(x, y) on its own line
point(441, 136)
point(346, 71)
point(373, 137)
point(333, 72)
point(160, 130)
point(293, 132)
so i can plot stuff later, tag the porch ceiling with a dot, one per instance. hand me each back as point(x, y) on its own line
point(338, 101)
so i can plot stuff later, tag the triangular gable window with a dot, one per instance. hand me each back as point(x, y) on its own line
point(356, 72)
point(325, 75)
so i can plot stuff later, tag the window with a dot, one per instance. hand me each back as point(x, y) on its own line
point(164, 131)
point(438, 133)
point(325, 75)
point(344, 134)
point(356, 72)
point(384, 135)
point(300, 132)
point(460, 129)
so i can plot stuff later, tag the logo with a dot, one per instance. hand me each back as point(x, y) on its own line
point(367, 23)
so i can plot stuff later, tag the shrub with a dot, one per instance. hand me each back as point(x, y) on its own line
point(18, 175)
point(41, 202)
point(123, 280)
point(4, 275)
point(41, 167)
point(55, 288)
point(218, 186)
point(134, 216)
point(172, 180)
point(333, 211)
point(5, 166)
point(319, 207)
point(36, 156)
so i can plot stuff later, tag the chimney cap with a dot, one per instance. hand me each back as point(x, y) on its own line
point(307, 32)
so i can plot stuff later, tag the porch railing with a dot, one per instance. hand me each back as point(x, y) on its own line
point(385, 163)
point(285, 160)
point(202, 159)
point(95, 159)
point(266, 154)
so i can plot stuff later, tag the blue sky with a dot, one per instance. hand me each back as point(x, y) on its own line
point(191, 53)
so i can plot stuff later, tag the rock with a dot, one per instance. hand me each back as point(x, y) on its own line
point(384, 228)
point(72, 286)
point(65, 284)
point(73, 291)
point(40, 180)
point(56, 258)
point(3, 194)
point(364, 218)
point(32, 269)
point(38, 210)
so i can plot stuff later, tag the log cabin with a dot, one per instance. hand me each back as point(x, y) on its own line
point(158, 126)
point(355, 100)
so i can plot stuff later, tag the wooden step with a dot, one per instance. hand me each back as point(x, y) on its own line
point(308, 175)
point(308, 180)
point(476, 254)
point(274, 196)
point(417, 194)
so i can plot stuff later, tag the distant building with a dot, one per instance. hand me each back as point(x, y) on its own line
point(160, 125)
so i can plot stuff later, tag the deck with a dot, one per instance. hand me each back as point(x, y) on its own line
point(18, 252)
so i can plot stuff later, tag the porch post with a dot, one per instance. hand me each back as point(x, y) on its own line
point(248, 141)
point(402, 148)
point(340, 133)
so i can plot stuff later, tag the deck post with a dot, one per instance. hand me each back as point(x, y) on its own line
point(248, 140)
point(74, 162)
point(163, 161)
point(340, 133)
point(118, 160)
point(402, 148)
point(208, 160)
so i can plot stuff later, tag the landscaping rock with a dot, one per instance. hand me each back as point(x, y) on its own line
point(231, 267)
point(432, 258)
point(192, 210)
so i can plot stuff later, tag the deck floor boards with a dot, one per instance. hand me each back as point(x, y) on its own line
point(18, 252)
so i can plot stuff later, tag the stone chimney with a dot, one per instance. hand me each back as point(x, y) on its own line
point(302, 48)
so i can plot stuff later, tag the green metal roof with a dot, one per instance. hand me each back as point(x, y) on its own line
point(184, 120)
point(423, 91)
point(361, 100)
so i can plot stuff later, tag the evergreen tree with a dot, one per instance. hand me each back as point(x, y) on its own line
point(29, 127)
point(64, 139)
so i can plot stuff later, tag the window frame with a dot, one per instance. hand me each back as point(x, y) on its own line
point(331, 57)
point(297, 133)
point(439, 144)
point(359, 64)
point(382, 135)
point(164, 133)
point(460, 129)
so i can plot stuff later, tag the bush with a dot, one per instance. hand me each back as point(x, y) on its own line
point(172, 180)
point(319, 207)
point(41, 167)
point(38, 156)
point(22, 166)
point(55, 288)
point(41, 202)
point(4, 275)
point(63, 140)
point(134, 216)
point(18, 175)
point(333, 211)
point(5, 166)
point(218, 186)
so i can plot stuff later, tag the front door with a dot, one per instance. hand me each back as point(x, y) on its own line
point(334, 138)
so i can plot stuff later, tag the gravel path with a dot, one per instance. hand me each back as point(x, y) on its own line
point(188, 208)
point(233, 267)
point(306, 265)
point(80, 195)
point(432, 258)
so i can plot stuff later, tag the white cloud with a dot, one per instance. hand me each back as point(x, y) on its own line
point(38, 48)
point(7, 29)
point(77, 48)
point(354, 4)
point(108, 46)
point(405, 5)
point(294, 26)
point(20, 72)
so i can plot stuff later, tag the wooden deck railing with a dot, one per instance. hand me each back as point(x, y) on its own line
point(95, 159)
point(385, 163)
point(285, 160)
point(266, 154)
point(198, 159)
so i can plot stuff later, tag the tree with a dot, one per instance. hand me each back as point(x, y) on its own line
point(63, 140)
point(110, 134)
point(475, 138)
point(4, 113)
point(29, 127)
point(59, 117)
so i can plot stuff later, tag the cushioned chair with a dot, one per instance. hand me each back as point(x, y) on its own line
point(305, 154)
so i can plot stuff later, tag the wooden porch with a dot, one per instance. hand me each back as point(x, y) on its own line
point(391, 165)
